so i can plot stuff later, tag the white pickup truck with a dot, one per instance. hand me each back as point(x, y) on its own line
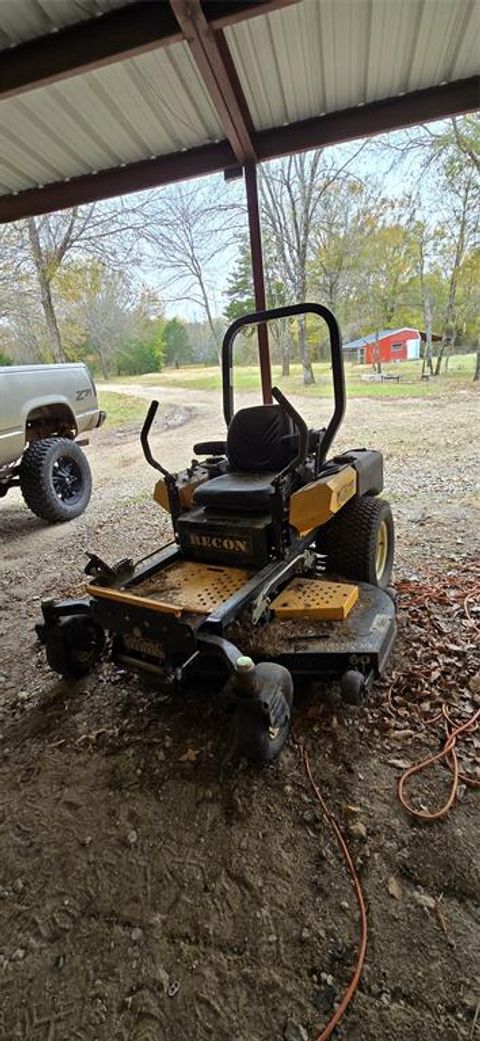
point(43, 408)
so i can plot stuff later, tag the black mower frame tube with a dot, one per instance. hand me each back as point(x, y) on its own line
point(300, 425)
point(169, 478)
point(147, 426)
point(338, 375)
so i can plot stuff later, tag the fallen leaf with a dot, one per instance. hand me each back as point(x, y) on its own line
point(190, 756)
point(358, 830)
point(424, 900)
point(348, 808)
point(399, 764)
point(394, 888)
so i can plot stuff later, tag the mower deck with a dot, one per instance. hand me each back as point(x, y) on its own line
point(325, 649)
point(318, 626)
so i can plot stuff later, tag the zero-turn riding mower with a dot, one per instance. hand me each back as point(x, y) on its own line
point(276, 548)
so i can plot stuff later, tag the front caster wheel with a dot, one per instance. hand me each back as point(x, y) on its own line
point(353, 687)
point(254, 738)
point(74, 645)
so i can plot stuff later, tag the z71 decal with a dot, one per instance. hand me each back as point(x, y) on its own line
point(82, 394)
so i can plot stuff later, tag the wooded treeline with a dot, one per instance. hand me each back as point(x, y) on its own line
point(92, 283)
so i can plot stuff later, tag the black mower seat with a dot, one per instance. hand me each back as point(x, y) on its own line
point(257, 440)
point(246, 492)
point(258, 449)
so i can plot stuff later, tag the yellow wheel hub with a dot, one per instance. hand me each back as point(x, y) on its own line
point(381, 550)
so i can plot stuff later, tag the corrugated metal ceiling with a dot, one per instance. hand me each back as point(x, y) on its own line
point(324, 55)
point(22, 20)
point(314, 57)
point(146, 106)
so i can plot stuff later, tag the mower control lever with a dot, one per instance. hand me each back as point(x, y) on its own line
point(147, 426)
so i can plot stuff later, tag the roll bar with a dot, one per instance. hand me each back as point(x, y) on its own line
point(256, 318)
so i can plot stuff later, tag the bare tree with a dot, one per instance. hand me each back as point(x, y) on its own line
point(448, 183)
point(467, 138)
point(46, 262)
point(460, 230)
point(292, 191)
point(42, 245)
point(190, 232)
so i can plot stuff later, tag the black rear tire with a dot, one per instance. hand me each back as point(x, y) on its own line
point(359, 542)
point(55, 479)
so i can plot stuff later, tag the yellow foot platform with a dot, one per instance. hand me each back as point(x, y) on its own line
point(314, 598)
point(184, 587)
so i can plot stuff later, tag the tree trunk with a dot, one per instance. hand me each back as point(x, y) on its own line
point(209, 315)
point(377, 364)
point(285, 345)
point(99, 353)
point(449, 325)
point(441, 352)
point(53, 331)
point(52, 324)
point(427, 356)
point(476, 375)
point(308, 376)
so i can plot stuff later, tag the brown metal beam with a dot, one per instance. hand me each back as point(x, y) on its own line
point(256, 253)
point(222, 13)
point(123, 33)
point(134, 177)
point(119, 34)
point(375, 118)
point(216, 67)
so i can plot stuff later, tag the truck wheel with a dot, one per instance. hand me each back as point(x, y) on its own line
point(55, 479)
point(360, 541)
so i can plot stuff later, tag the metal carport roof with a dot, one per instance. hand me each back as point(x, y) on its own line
point(99, 97)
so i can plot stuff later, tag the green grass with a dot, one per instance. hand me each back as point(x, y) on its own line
point(459, 375)
point(121, 408)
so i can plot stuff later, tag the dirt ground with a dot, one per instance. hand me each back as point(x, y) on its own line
point(148, 895)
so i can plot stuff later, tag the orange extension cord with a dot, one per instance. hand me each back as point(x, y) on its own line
point(449, 754)
point(355, 980)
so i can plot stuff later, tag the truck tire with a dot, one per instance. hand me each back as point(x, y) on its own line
point(55, 479)
point(360, 541)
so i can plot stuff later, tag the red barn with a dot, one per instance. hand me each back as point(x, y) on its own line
point(387, 345)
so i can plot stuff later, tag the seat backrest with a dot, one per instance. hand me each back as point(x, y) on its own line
point(254, 439)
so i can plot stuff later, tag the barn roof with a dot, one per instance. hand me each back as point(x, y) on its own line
point(361, 341)
point(100, 97)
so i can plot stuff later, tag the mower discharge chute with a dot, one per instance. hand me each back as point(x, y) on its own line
point(278, 571)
